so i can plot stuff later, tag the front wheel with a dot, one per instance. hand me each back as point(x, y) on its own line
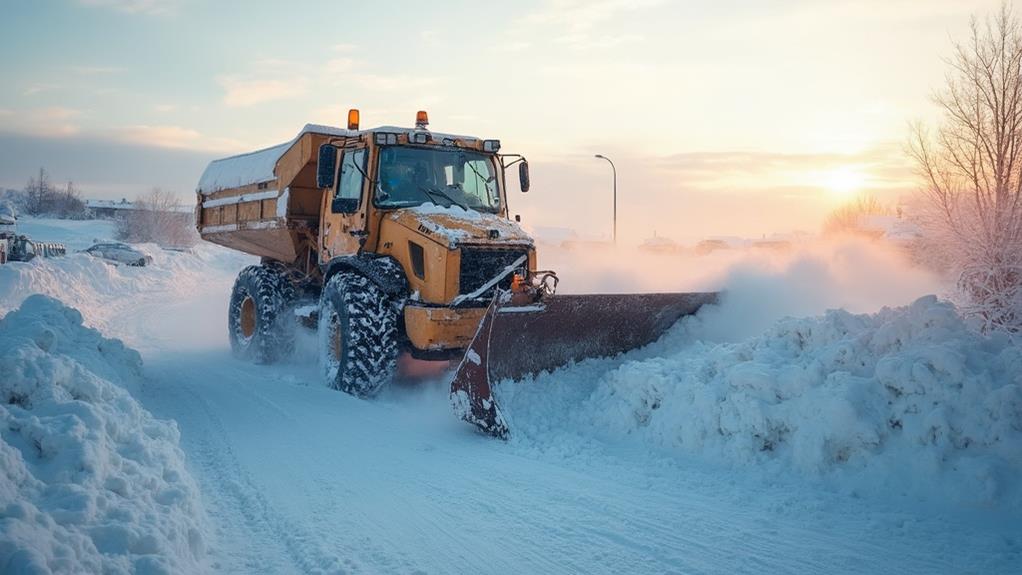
point(358, 335)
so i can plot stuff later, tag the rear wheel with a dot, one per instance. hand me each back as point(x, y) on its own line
point(358, 335)
point(258, 320)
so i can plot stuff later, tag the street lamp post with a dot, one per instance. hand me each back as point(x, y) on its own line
point(612, 167)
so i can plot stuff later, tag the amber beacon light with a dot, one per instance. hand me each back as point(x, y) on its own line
point(353, 119)
point(421, 120)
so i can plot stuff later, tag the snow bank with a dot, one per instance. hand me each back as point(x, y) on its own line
point(906, 401)
point(102, 290)
point(90, 482)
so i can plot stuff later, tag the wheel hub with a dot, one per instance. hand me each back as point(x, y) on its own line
point(248, 317)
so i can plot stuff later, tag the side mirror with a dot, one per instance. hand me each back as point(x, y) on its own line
point(523, 175)
point(344, 205)
point(326, 169)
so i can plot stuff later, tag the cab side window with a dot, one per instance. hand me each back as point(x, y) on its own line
point(349, 185)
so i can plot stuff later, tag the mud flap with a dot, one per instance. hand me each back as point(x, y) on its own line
point(517, 341)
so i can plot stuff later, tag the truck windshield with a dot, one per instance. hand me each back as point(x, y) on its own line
point(412, 176)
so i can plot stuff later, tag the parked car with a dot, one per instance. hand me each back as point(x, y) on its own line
point(120, 253)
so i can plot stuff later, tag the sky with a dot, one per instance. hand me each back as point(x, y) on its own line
point(723, 118)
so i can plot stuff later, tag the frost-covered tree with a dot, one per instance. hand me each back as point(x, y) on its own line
point(157, 217)
point(40, 197)
point(37, 193)
point(851, 218)
point(972, 168)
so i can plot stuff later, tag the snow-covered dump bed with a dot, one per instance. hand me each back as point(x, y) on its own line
point(90, 482)
point(247, 202)
point(255, 167)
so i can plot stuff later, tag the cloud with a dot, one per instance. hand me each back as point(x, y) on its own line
point(885, 165)
point(136, 6)
point(274, 80)
point(49, 122)
point(174, 137)
point(390, 83)
point(39, 88)
point(574, 22)
point(101, 167)
point(55, 123)
point(241, 92)
point(266, 81)
point(95, 70)
point(515, 46)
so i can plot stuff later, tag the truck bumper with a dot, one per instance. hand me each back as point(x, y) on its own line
point(441, 328)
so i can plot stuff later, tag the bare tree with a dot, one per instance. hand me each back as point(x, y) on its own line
point(972, 169)
point(852, 217)
point(37, 193)
point(158, 217)
point(41, 198)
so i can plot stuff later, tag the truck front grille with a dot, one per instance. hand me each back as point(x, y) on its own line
point(480, 265)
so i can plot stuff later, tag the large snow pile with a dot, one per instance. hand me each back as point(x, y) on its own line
point(102, 290)
point(907, 401)
point(90, 482)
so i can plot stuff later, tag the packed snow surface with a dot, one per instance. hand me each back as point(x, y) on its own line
point(299, 478)
point(90, 482)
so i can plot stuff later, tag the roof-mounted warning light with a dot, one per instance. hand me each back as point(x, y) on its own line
point(353, 119)
point(421, 120)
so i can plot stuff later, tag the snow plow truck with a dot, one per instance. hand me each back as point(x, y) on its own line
point(395, 243)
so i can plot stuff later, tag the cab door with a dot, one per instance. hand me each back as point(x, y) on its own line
point(344, 208)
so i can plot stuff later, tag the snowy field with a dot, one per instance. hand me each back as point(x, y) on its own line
point(767, 435)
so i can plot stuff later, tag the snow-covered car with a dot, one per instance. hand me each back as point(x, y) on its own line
point(120, 253)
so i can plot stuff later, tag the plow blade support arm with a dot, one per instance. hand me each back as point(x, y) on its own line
point(517, 341)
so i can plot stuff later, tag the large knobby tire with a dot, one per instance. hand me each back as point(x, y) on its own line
point(259, 320)
point(358, 335)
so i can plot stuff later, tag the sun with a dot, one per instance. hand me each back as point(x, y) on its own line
point(843, 182)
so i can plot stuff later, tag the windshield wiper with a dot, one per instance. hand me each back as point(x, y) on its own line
point(443, 194)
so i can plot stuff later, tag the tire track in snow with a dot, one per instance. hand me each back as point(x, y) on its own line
point(232, 490)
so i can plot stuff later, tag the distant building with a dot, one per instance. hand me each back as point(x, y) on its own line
point(108, 209)
point(718, 243)
point(660, 245)
point(554, 236)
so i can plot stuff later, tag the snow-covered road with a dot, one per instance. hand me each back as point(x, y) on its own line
point(297, 478)
point(301, 479)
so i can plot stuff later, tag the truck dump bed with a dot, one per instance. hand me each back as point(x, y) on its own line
point(263, 202)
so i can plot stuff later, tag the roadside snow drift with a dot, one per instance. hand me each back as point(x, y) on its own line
point(90, 482)
point(103, 291)
point(907, 401)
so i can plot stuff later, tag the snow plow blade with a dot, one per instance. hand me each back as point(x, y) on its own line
point(515, 341)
